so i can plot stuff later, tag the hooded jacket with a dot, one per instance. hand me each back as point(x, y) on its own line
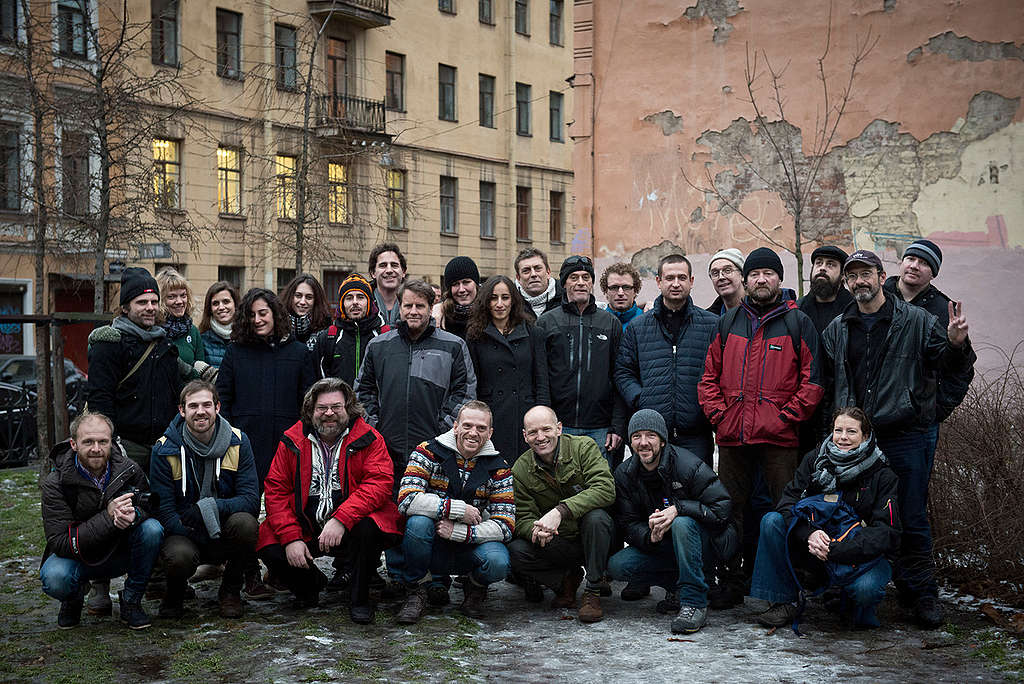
point(343, 358)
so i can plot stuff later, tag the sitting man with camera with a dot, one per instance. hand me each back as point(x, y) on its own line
point(96, 525)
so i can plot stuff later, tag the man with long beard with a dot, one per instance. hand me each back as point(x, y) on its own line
point(827, 298)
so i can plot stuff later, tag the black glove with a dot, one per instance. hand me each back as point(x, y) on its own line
point(192, 517)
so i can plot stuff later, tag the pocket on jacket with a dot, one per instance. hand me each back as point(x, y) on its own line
point(731, 424)
point(433, 366)
point(769, 425)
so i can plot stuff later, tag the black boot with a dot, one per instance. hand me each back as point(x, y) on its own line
point(132, 613)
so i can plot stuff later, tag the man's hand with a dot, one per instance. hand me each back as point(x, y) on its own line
point(540, 536)
point(472, 515)
point(957, 330)
point(444, 528)
point(817, 544)
point(298, 555)
point(612, 442)
point(331, 536)
point(660, 522)
point(121, 511)
point(550, 521)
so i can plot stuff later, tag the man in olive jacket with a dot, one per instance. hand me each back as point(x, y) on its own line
point(562, 486)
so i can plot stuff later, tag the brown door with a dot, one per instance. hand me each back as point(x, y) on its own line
point(337, 75)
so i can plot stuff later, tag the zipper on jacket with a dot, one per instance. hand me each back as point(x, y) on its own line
point(579, 372)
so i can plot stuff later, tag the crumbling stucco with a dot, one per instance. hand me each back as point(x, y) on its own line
point(718, 11)
point(964, 49)
point(667, 120)
point(646, 260)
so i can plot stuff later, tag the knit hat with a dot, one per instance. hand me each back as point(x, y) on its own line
point(575, 263)
point(648, 419)
point(136, 282)
point(829, 252)
point(762, 257)
point(731, 254)
point(460, 268)
point(354, 282)
point(927, 250)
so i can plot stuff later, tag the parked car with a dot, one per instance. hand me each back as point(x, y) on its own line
point(17, 424)
point(20, 369)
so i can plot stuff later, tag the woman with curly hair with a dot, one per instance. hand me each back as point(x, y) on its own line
point(176, 315)
point(222, 299)
point(308, 310)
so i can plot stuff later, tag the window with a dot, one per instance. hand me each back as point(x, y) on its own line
point(445, 92)
point(555, 22)
point(487, 191)
point(285, 186)
point(523, 17)
point(232, 274)
point(332, 283)
point(555, 216)
point(165, 32)
point(9, 21)
point(229, 44)
point(486, 101)
point(74, 176)
point(446, 6)
point(284, 276)
point(166, 173)
point(10, 176)
point(522, 213)
point(337, 72)
point(394, 97)
point(71, 28)
point(284, 56)
point(229, 180)
point(396, 199)
point(449, 190)
point(522, 109)
point(555, 115)
point(337, 193)
point(486, 12)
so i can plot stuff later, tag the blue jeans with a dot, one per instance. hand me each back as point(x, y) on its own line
point(774, 582)
point(676, 563)
point(62, 578)
point(912, 455)
point(425, 552)
point(599, 435)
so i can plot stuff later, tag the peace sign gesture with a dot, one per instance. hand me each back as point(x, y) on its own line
point(957, 330)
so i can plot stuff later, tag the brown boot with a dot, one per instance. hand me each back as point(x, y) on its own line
point(473, 600)
point(412, 609)
point(590, 608)
point(566, 597)
point(230, 604)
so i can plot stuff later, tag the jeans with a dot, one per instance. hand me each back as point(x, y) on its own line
point(599, 435)
point(135, 556)
point(548, 564)
point(676, 563)
point(912, 455)
point(774, 582)
point(425, 553)
point(236, 546)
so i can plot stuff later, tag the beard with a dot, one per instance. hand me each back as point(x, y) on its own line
point(865, 293)
point(758, 296)
point(328, 431)
point(823, 288)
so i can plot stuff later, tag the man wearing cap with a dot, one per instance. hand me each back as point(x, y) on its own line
point(828, 297)
point(881, 355)
point(461, 282)
point(533, 280)
point(672, 510)
point(338, 350)
point(726, 273)
point(760, 382)
point(582, 342)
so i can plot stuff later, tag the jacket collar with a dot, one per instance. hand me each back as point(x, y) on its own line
point(403, 330)
point(660, 310)
point(514, 334)
point(574, 310)
point(447, 440)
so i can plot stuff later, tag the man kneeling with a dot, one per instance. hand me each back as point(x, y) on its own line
point(95, 523)
point(457, 494)
point(204, 474)
point(672, 511)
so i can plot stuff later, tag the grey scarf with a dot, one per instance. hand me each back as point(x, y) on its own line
point(222, 331)
point(834, 468)
point(211, 454)
point(126, 325)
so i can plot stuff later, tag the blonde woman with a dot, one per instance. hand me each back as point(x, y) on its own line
point(176, 315)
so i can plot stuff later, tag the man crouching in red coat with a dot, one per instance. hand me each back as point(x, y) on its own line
point(328, 492)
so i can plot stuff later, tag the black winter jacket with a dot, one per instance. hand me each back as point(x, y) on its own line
point(689, 485)
point(261, 388)
point(653, 372)
point(581, 351)
point(821, 314)
point(900, 397)
point(351, 338)
point(512, 377)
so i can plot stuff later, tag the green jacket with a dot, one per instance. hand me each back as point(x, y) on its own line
point(582, 481)
point(190, 347)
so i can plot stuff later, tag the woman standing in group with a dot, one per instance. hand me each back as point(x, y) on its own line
point(176, 312)
point(461, 284)
point(306, 302)
point(511, 364)
point(215, 326)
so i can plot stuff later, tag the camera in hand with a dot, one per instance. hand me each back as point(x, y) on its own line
point(140, 499)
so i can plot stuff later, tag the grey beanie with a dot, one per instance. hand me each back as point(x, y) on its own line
point(731, 254)
point(648, 419)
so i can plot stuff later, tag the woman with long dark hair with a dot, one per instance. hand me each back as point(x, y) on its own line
point(222, 299)
point(510, 360)
point(307, 307)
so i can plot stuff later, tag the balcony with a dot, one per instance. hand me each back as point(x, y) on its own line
point(364, 13)
point(335, 112)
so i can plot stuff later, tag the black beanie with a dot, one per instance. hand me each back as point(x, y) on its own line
point(460, 268)
point(136, 281)
point(830, 252)
point(762, 257)
point(927, 250)
point(573, 264)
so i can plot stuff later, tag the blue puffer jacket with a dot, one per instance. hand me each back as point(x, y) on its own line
point(653, 373)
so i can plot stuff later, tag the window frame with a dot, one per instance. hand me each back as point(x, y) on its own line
point(448, 196)
point(285, 191)
point(9, 10)
point(161, 178)
point(447, 91)
point(69, 10)
point(75, 183)
point(523, 201)
point(226, 178)
point(522, 17)
point(555, 22)
point(555, 133)
point(485, 12)
point(160, 21)
point(524, 94)
point(446, 6)
point(281, 52)
point(487, 209)
point(396, 195)
point(394, 81)
point(485, 115)
point(225, 50)
point(10, 189)
point(556, 217)
point(338, 203)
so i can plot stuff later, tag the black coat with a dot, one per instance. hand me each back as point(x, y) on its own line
point(350, 340)
point(261, 389)
point(512, 377)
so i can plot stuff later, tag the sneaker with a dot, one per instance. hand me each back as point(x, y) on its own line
point(132, 613)
point(361, 614)
point(230, 604)
point(590, 607)
point(668, 605)
point(412, 609)
point(778, 615)
point(99, 601)
point(634, 591)
point(473, 600)
point(566, 597)
point(928, 612)
point(689, 620)
point(437, 595)
point(70, 613)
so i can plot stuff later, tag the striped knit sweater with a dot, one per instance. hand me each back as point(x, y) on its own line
point(426, 486)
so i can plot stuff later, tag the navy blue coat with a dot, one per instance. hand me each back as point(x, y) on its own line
point(653, 373)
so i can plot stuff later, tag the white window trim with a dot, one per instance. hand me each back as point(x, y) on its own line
point(27, 304)
point(60, 61)
point(92, 171)
point(21, 37)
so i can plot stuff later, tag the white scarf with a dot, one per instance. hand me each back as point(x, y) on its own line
point(539, 302)
point(222, 331)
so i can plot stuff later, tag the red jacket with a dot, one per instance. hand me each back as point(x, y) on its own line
point(366, 465)
point(759, 388)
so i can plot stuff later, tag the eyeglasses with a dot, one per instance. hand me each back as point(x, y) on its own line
point(727, 271)
point(852, 277)
point(333, 408)
point(621, 288)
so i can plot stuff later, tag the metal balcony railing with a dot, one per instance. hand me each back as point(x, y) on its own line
point(354, 113)
point(365, 13)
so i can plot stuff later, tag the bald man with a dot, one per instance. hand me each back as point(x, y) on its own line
point(562, 487)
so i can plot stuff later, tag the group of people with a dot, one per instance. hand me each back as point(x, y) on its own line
point(482, 437)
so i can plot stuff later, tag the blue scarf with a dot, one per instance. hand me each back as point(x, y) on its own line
point(626, 316)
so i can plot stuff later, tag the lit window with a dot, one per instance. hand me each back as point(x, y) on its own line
point(229, 180)
point(166, 173)
point(396, 199)
point(285, 186)
point(337, 193)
